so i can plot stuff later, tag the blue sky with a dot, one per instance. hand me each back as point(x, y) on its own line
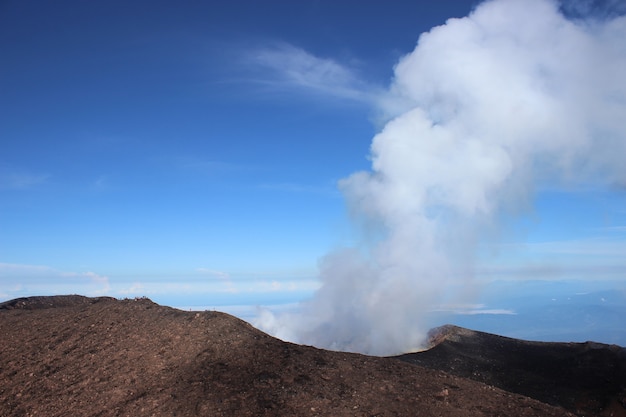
point(143, 141)
point(191, 152)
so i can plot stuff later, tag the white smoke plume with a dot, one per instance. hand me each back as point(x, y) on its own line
point(483, 111)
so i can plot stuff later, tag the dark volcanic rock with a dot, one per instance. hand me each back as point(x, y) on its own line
point(586, 378)
point(39, 302)
point(75, 356)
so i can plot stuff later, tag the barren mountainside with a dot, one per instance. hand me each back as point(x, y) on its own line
point(587, 378)
point(72, 355)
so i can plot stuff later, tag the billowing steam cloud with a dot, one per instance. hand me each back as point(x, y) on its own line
point(484, 110)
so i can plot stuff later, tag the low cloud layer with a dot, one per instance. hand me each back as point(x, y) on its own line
point(486, 109)
point(44, 280)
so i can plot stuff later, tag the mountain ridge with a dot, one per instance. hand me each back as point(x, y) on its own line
point(74, 355)
point(585, 378)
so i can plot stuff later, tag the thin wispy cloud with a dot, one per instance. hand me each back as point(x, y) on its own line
point(492, 311)
point(612, 229)
point(100, 281)
point(472, 309)
point(584, 258)
point(41, 279)
point(210, 282)
point(21, 180)
point(289, 187)
point(104, 183)
point(600, 246)
point(205, 166)
point(281, 286)
point(589, 247)
point(286, 67)
point(550, 272)
point(213, 273)
point(135, 289)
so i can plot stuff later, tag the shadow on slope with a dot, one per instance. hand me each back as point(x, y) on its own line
point(585, 378)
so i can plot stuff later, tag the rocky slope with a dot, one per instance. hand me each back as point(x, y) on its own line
point(585, 378)
point(77, 356)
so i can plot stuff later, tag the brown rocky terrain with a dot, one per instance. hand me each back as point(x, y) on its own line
point(585, 378)
point(78, 356)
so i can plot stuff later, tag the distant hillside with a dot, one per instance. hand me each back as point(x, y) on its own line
point(586, 378)
point(77, 356)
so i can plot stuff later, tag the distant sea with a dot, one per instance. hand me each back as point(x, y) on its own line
point(550, 311)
